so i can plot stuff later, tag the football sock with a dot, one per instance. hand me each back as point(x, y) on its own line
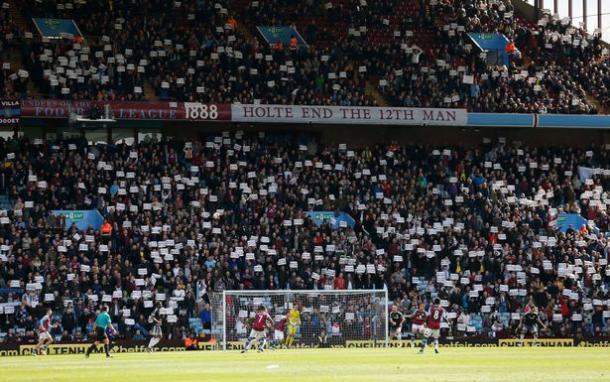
point(153, 341)
point(249, 343)
point(90, 349)
point(424, 343)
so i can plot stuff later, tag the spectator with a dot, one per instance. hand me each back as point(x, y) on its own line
point(206, 317)
point(191, 342)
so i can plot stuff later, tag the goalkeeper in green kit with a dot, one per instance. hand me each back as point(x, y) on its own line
point(102, 322)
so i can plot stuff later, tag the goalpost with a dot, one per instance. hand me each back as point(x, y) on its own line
point(327, 317)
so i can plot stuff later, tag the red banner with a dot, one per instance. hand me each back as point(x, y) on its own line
point(154, 110)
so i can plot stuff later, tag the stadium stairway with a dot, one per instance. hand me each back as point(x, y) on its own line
point(15, 56)
point(17, 16)
point(149, 91)
point(14, 59)
point(593, 101)
point(244, 31)
point(372, 91)
point(16, 63)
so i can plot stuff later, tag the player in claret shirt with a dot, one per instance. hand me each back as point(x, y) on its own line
point(44, 337)
point(435, 316)
point(258, 333)
point(278, 335)
point(418, 323)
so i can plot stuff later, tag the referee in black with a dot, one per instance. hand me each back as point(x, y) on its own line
point(102, 322)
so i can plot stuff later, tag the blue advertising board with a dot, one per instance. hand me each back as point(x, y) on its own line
point(491, 42)
point(282, 34)
point(56, 28)
point(573, 121)
point(501, 120)
point(565, 221)
point(335, 219)
point(541, 121)
point(81, 218)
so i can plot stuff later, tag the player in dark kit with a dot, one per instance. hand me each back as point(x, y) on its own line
point(156, 332)
point(529, 323)
point(102, 322)
point(396, 321)
point(261, 322)
point(435, 316)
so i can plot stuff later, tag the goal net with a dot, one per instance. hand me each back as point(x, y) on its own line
point(305, 318)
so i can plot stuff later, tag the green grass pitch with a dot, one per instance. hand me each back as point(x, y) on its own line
point(452, 364)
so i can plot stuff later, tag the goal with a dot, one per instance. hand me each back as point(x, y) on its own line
point(327, 317)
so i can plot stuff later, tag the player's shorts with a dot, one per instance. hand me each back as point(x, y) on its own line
point(417, 329)
point(43, 336)
point(278, 335)
point(100, 334)
point(257, 334)
point(435, 333)
point(529, 329)
point(292, 330)
point(156, 331)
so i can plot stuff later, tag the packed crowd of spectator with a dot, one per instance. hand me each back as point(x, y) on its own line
point(475, 227)
point(211, 52)
point(584, 56)
point(458, 74)
point(187, 51)
point(597, 81)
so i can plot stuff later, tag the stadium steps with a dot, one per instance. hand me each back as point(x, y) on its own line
point(593, 101)
point(15, 56)
point(149, 92)
point(246, 29)
point(33, 90)
point(17, 16)
point(16, 64)
point(371, 91)
point(5, 202)
point(245, 32)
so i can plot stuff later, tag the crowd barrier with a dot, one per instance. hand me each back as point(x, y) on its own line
point(131, 346)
